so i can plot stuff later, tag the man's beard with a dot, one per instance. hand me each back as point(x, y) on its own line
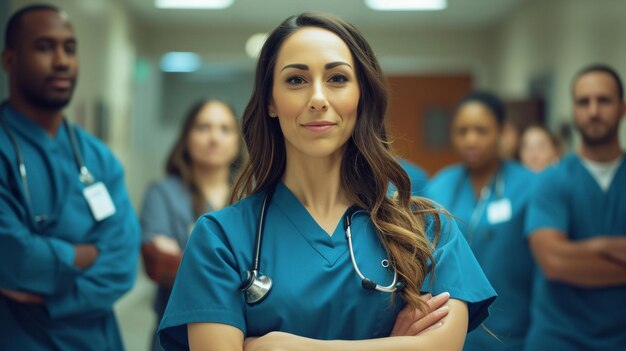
point(46, 103)
point(598, 140)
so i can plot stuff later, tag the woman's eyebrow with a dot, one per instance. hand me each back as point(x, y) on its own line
point(304, 67)
point(335, 64)
point(299, 66)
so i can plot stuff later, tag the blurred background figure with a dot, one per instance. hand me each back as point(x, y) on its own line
point(490, 196)
point(539, 148)
point(200, 171)
point(576, 226)
point(418, 177)
point(509, 141)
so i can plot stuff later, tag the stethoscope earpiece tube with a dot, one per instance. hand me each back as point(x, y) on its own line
point(257, 286)
point(366, 283)
point(84, 174)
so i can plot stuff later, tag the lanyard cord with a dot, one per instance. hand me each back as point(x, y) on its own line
point(485, 192)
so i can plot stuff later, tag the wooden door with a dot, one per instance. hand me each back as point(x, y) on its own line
point(419, 117)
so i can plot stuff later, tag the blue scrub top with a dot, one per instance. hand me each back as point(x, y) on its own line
point(167, 210)
point(77, 313)
point(418, 177)
point(567, 198)
point(500, 248)
point(316, 292)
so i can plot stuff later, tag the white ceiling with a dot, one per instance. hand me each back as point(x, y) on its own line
point(266, 14)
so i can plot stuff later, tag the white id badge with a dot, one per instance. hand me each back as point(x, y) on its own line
point(499, 211)
point(99, 201)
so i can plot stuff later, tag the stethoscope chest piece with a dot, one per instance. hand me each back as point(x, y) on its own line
point(256, 287)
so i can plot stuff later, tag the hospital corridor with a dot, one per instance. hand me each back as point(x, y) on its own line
point(244, 175)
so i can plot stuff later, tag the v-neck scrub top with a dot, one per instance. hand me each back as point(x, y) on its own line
point(566, 317)
point(77, 313)
point(316, 292)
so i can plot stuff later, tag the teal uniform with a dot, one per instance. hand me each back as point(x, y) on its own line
point(566, 317)
point(167, 210)
point(500, 246)
point(418, 177)
point(316, 291)
point(77, 313)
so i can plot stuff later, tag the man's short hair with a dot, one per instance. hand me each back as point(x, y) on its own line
point(11, 32)
point(599, 67)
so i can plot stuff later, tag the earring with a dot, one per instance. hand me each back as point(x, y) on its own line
point(272, 114)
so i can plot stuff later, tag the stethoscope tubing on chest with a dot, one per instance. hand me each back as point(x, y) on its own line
point(257, 285)
point(84, 174)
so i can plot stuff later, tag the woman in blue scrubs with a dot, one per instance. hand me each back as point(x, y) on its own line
point(314, 129)
point(490, 196)
point(200, 171)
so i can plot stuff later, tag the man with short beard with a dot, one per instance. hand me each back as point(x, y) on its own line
point(69, 238)
point(577, 228)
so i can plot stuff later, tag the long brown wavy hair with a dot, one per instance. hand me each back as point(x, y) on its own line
point(179, 161)
point(368, 164)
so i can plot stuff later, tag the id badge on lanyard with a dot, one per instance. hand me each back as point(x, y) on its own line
point(499, 211)
point(95, 193)
point(99, 201)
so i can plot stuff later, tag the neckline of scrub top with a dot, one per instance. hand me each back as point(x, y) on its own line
point(579, 163)
point(331, 248)
point(30, 129)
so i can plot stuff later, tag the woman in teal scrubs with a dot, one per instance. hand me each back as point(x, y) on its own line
point(490, 196)
point(314, 129)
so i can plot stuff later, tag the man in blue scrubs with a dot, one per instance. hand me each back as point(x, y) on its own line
point(69, 238)
point(577, 228)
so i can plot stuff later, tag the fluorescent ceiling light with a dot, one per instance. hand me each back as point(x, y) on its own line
point(254, 44)
point(180, 62)
point(406, 5)
point(193, 4)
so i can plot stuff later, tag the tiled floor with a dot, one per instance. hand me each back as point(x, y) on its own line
point(135, 316)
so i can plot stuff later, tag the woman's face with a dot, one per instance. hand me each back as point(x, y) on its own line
point(315, 94)
point(213, 139)
point(537, 151)
point(475, 135)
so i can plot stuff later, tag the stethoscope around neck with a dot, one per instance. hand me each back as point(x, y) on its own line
point(84, 175)
point(257, 285)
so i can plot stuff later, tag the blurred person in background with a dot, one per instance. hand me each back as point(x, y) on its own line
point(418, 177)
point(490, 196)
point(509, 141)
point(201, 169)
point(539, 148)
point(576, 226)
point(69, 237)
